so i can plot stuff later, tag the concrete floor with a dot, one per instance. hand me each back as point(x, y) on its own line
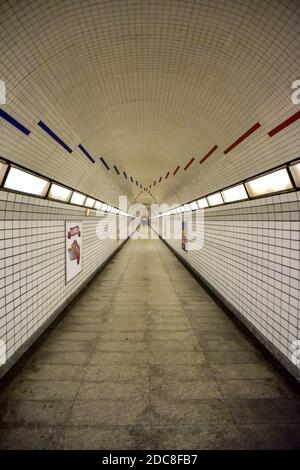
point(146, 359)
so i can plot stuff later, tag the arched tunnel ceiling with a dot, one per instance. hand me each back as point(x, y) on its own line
point(149, 84)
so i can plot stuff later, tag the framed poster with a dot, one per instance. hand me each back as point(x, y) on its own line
point(73, 249)
point(184, 240)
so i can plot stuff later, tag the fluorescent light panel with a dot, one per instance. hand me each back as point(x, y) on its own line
point(78, 199)
point(194, 205)
point(215, 199)
point(202, 203)
point(59, 193)
point(295, 170)
point(98, 205)
point(236, 193)
point(270, 183)
point(90, 202)
point(24, 182)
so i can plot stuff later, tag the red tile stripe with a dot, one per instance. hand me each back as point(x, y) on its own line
point(176, 170)
point(284, 124)
point(243, 137)
point(208, 154)
point(189, 163)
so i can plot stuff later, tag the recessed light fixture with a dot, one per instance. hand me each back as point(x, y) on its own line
point(215, 199)
point(90, 202)
point(104, 206)
point(236, 193)
point(202, 203)
point(98, 205)
point(78, 198)
point(25, 182)
point(187, 207)
point(194, 205)
point(59, 193)
point(274, 182)
point(295, 170)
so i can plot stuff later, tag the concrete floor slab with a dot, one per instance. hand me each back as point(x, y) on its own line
point(146, 359)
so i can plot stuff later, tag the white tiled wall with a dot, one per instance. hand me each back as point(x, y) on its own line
point(251, 258)
point(32, 263)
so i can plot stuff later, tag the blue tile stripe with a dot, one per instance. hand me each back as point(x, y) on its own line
point(14, 122)
point(86, 153)
point(104, 163)
point(54, 136)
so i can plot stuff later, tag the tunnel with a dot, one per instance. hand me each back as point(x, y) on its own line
point(149, 225)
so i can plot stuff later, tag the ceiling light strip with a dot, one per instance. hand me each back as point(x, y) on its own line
point(16, 178)
point(281, 179)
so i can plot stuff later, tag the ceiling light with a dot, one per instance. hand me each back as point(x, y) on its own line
point(202, 203)
point(187, 207)
point(194, 205)
point(104, 206)
point(59, 193)
point(3, 168)
point(24, 182)
point(215, 199)
point(90, 202)
point(98, 205)
point(236, 193)
point(270, 183)
point(78, 199)
point(295, 170)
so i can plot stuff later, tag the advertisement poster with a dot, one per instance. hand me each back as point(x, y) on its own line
point(184, 240)
point(73, 249)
